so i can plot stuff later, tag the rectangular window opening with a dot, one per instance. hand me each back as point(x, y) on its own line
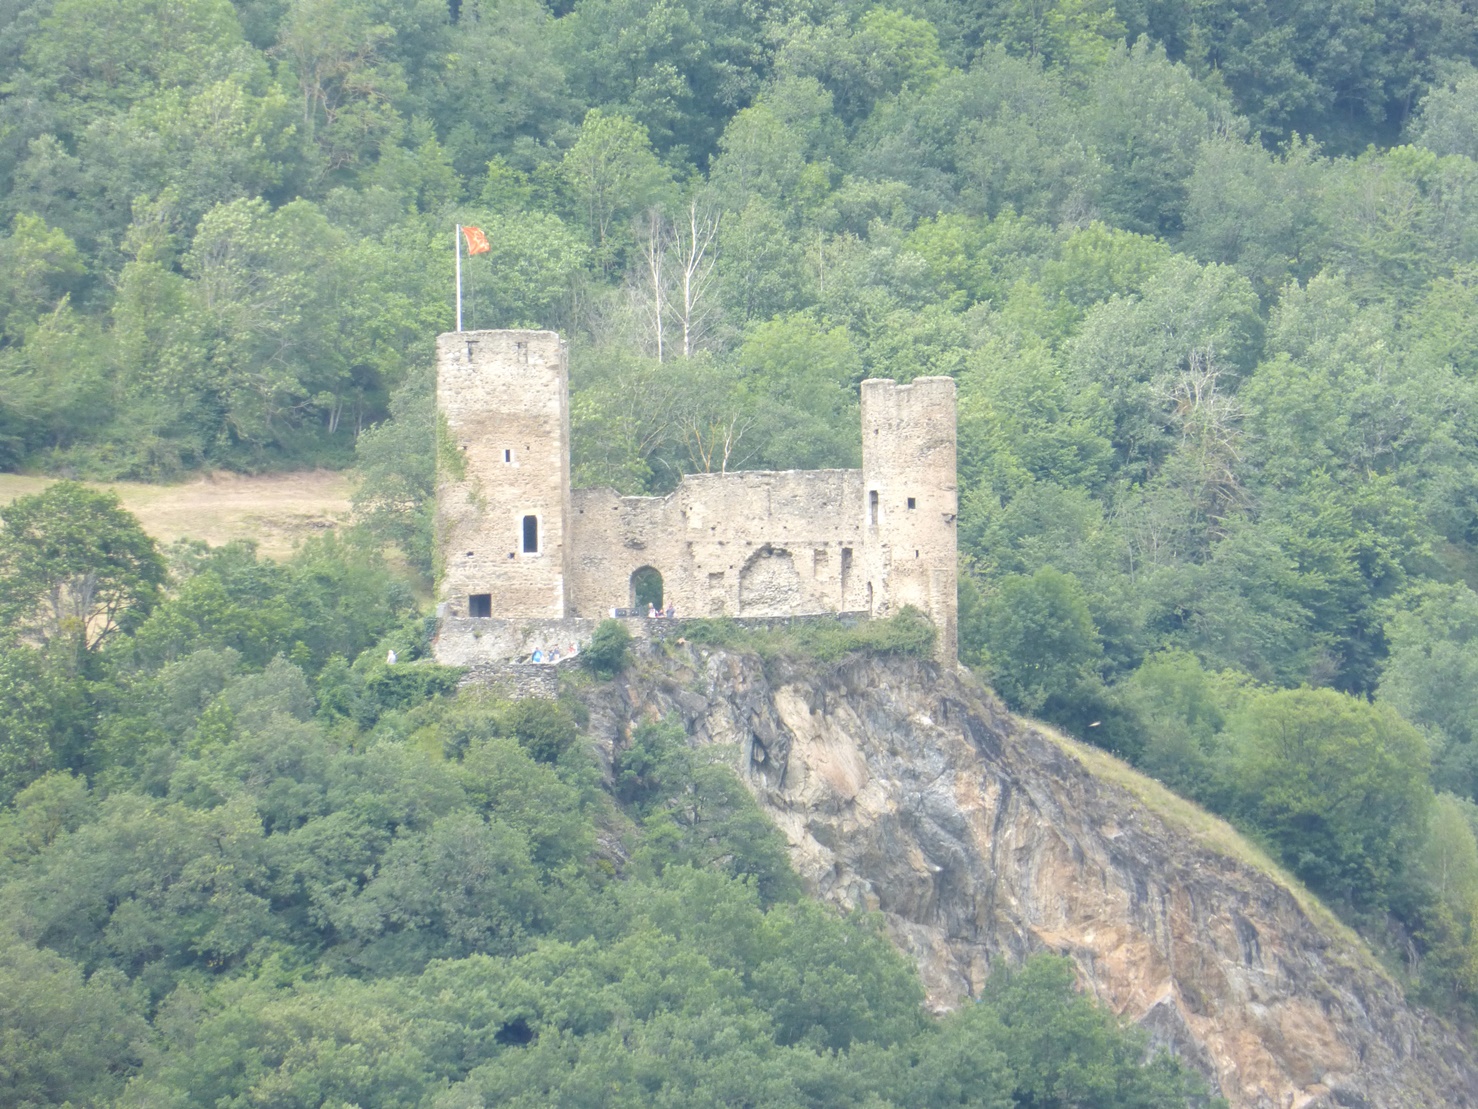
point(507, 455)
point(531, 535)
point(912, 503)
point(872, 507)
point(480, 604)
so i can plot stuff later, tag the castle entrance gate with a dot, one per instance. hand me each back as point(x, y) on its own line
point(646, 590)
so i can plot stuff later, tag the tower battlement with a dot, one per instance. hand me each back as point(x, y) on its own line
point(516, 543)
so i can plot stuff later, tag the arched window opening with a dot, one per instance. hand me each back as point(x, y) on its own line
point(531, 535)
point(646, 590)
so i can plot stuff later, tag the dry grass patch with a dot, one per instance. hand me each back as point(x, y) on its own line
point(278, 511)
point(1210, 832)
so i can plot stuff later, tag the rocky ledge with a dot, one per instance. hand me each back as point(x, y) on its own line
point(982, 838)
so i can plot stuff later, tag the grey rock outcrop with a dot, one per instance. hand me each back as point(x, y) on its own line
point(982, 838)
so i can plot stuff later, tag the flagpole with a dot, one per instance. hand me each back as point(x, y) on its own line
point(457, 243)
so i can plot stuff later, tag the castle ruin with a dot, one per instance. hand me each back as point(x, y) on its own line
point(525, 560)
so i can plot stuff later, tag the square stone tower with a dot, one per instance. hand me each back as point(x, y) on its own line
point(910, 502)
point(503, 474)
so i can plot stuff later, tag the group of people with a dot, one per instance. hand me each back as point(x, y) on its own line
point(554, 654)
point(655, 613)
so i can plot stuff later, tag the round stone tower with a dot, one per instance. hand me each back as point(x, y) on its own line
point(910, 502)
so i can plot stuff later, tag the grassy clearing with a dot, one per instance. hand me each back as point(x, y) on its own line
point(278, 511)
point(1209, 831)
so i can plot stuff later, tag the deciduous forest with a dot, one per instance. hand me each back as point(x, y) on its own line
point(1205, 272)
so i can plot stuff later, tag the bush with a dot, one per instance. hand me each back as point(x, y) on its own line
point(542, 728)
point(909, 632)
point(401, 687)
point(609, 650)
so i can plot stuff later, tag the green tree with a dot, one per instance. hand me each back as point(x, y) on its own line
point(465, 884)
point(75, 566)
point(1446, 121)
point(528, 277)
point(70, 1039)
point(1135, 349)
point(612, 174)
point(1430, 678)
point(347, 87)
point(88, 56)
point(40, 265)
point(1071, 35)
point(677, 70)
point(1447, 876)
point(1148, 122)
point(503, 82)
point(44, 715)
point(1183, 709)
point(1062, 1049)
point(609, 650)
point(1041, 647)
point(1258, 211)
point(797, 377)
point(1338, 785)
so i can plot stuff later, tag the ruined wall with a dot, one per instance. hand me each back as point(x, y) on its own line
point(516, 544)
point(754, 543)
point(502, 397)
point(910, 501)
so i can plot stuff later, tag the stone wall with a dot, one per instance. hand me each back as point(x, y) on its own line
point(461, 641)
point(502, 651)
point(517, 680)
point(741, 544)
point(517, 545)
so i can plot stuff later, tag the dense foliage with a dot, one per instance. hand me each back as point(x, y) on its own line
point(246, 860)
point(1205, 275)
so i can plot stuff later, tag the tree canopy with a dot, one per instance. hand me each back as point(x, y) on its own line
point(1204, 274)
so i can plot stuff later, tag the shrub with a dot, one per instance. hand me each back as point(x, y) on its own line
point(609, 650)
point(542, 728)
point(909, 632)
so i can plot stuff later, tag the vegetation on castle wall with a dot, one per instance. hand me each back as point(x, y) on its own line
point(907, 632)
point(609, 649)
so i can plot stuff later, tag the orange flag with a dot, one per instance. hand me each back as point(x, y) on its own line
point(477, 242)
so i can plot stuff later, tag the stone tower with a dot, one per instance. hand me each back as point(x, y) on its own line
point(910, 501)
point(503, 474)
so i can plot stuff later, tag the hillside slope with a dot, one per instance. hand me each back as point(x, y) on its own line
point(979, 837)
point(277, 511)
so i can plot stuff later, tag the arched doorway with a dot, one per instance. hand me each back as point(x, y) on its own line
point(646, 589)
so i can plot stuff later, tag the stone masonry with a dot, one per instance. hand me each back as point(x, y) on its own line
point(518, 546)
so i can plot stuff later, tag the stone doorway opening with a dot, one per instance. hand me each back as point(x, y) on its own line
point(646, 590)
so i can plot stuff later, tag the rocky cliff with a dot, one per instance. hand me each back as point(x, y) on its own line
point(983, 838)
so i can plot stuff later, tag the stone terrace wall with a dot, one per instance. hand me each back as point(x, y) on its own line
point(466, 641)
point(500, 651)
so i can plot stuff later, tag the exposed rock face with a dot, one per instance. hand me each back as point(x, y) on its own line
point(980, 838)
